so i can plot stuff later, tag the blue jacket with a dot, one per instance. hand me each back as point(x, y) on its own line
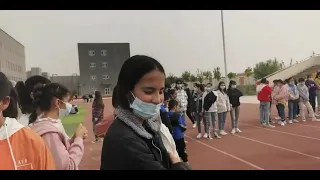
point(165, 118)
point(178, 125)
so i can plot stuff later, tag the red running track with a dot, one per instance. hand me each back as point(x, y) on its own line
point(295, 146)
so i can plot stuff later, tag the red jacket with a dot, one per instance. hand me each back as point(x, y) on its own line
point(264, 93)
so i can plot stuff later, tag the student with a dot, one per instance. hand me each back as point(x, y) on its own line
point(264, 96)
point(182, 98)
point(312, 92)
point(234, 98)
point(52, 99)
point(164, 113)
point(317, 82)
point(24, 90)
point(20, 147)
point(97, 113)
point(298, 108)
point(275, 87)
point(188, 112)
point(196, 110)
point(223, 106)
point(280, 96)
point(304, 100)
point(178, 127)
point(293, 101)
point(209, 106)
point(133, 141)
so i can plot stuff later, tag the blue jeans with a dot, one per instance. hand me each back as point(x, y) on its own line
point(222, 120)
point(281, 112)
point(292, 106)
point(264, 112)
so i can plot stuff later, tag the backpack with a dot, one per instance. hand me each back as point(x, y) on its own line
point(209, 100)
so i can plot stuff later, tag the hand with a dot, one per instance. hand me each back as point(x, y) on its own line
point(81, 131)
point(85, 135)
point(174, 159)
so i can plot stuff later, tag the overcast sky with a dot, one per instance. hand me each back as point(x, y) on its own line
point(180, 40)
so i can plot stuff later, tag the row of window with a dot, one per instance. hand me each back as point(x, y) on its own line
point(93, 52)
point(107, 91)
point(13, 67)
point(94, 77)
point(103, 65)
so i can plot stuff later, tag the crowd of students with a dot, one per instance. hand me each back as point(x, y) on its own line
point(291, 94)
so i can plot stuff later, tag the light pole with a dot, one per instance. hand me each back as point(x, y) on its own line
point(224, 49)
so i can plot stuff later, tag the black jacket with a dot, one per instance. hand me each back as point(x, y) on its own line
point(196, 105)
point(165, 119)
point(209, 99)
point(234, 96)
point(124, 149)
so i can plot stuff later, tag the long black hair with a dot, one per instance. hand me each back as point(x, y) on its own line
point(7, 89)
point(232, 82)
point(43, 94)
point(222, 90)
point(131, 72)
point(98, 99)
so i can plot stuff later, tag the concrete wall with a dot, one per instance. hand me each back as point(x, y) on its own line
point(12, 57)
point(36, 71)
point(99, 65)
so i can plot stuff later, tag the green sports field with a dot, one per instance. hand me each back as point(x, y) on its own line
point(71, 122)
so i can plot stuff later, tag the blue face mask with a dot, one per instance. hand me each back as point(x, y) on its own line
point(144, 110)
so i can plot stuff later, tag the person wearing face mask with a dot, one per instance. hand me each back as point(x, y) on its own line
point(134, 140)
point(280, 97)
point(196, 109)
point(20, 147)
point(317, 82)
point(234, 98)
point(293, 101)
point(209, 106)
point(264, 96)
point(304, 100)
point(182, 98)
point(223, 106)
point(52, 100)
point(312, 92)
point(188, 112)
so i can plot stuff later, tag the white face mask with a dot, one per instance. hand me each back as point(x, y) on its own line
point(310, 79)
point(233, 86)
point(144, 110)
point(66, 111)
point(179, 85)
point(301, 83)
point(208, 89)
point(222, 87)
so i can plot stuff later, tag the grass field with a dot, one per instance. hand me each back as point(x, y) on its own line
point(71, 122)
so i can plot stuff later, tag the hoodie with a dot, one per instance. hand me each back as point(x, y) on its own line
point(264, 92)
point(303, 92)
point(281, 94)
point(67, 153)
point(23, 149)
point(312, 87)
point(293, 92)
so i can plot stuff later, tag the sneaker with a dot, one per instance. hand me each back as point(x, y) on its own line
point(298, 115)
point(223, 132)
point(216, 135)
point(270, 126)
point(264, 125)
point(277, 118)
point(186, 142)
point(194, 125)
point(282, 123)
point(295, 121)
point(205, 135)
point(233, 131)
point(303, 120)
point(290, 122)
point(209, 137)
point(315, 119)
point(199, 136)
point(238, 130)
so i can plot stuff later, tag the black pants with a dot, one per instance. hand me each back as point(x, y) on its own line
point(298, 109)
point(188, 112)
point(312, 100)
point(281, 112)
point(277, 106)
point(181, 148)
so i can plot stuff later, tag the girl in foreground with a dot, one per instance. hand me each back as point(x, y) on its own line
point(133, 141)
point(24, 90)
point(52, 99)
point(20, 147)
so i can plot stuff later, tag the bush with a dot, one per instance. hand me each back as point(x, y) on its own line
point(247, 90)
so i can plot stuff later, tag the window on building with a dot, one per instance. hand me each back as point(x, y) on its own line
point(92, 65)
point(105, 77)
point(93, 77)
point(107, 91)
point(104, 64)
point(91, 52)
point(103, 52)
point(93, 89)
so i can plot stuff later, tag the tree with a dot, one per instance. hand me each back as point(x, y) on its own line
point(193, 78)
point(248, 72)
point(200, 76)
point(217, 73)
point(186, 76)
point(208, 75)
point(171, 79)
point(231, 75)
point(265, 68)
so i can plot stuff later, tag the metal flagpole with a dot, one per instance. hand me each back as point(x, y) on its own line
point(224, 49)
